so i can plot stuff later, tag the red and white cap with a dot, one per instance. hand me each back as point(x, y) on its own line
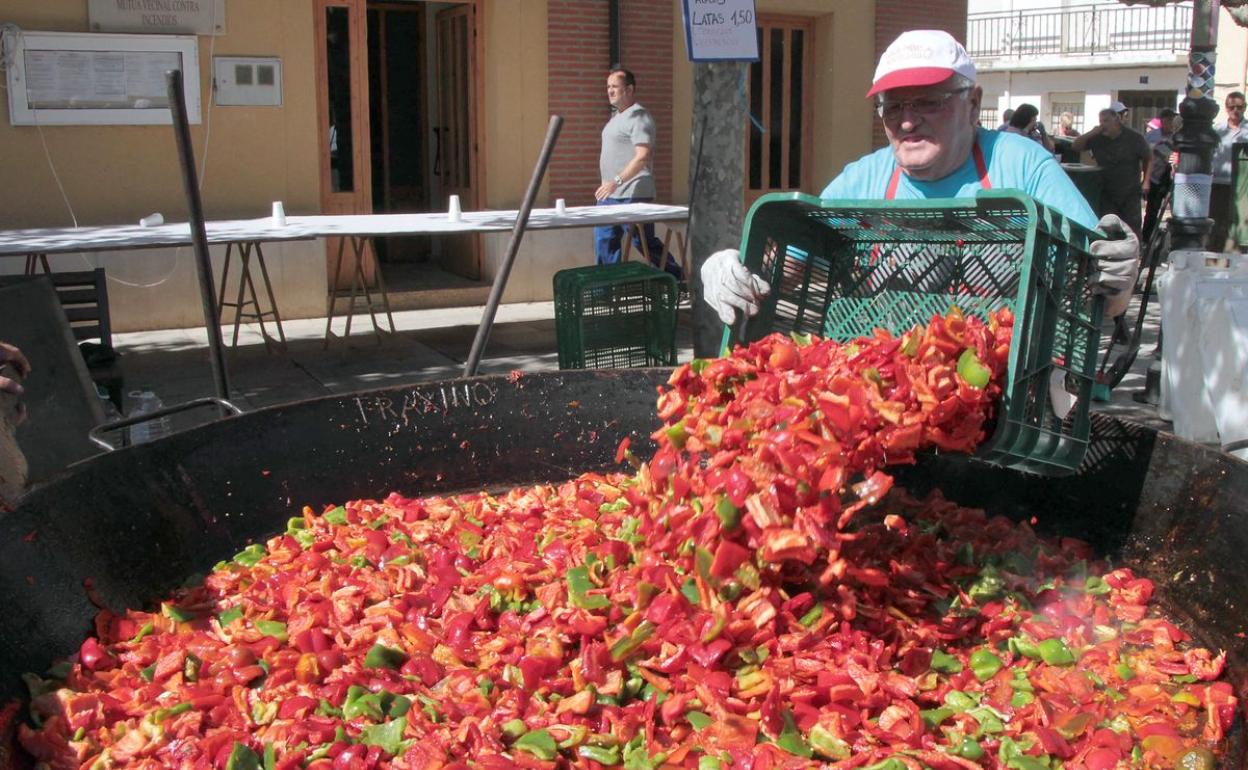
point(921, 57)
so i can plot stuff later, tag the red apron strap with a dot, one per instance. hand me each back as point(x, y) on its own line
point(891, 193)
point(980, 166)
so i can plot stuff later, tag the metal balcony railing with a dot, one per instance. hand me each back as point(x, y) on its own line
point(1079, 31)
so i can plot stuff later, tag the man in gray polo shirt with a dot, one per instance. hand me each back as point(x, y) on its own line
point(625, 166)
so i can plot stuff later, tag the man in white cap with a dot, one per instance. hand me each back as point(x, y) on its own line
point(926, 93)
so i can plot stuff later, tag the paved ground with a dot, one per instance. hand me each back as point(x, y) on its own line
point(430, 345)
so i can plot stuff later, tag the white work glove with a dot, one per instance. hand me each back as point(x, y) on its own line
point(727, 285)
point(1117, 264)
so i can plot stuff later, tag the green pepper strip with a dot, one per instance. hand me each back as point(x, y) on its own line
point(629, 644)
point(579, 585)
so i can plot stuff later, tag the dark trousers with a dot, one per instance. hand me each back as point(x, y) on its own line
point(608, 241)
point(1125, 203)
point(1221, 212)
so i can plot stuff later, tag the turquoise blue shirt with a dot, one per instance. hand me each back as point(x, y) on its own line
point(1013, 161)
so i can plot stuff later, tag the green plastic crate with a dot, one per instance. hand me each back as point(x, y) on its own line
point(840, 269)
point(615, 316)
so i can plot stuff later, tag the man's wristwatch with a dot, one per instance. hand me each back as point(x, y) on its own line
point(617, 180)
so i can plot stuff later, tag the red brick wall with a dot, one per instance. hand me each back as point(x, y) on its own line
point(892, 17)
point(577, 56)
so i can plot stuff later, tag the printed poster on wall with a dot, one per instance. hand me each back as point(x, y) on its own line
point(170, 17)
point(721, 30)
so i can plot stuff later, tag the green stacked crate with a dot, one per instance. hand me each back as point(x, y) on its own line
point(615, 316)
point(840, 269)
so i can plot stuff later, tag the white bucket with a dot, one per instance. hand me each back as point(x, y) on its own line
point(1204, 319)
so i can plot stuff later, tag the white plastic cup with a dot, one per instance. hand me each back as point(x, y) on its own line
point(453, 211)
point(152, 220)
point(279, 214)
point(561, 206)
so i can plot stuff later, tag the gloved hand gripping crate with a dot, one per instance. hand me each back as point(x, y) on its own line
point(841, 269)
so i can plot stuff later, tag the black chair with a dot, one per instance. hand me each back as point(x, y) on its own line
point(84, 298)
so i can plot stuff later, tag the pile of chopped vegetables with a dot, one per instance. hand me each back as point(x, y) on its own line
point(754, 596)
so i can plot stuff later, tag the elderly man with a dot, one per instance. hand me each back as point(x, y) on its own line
point(926, 93)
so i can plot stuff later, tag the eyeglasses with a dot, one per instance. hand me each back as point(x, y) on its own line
point(921, 105)
point(1239, 107)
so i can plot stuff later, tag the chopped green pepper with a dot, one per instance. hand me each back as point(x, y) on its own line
point(969, 748)
point(985, 664)
point(242, 758)
point(603, 755)
point(699, 720)
point(578, 586)
point(273, 628)
point(892, 763)
point(629, 644)
point(972, 370)
point(514, 728)
point(678, 435)
point(539, 743)
point(1020, 645)
point(689, 590)
point(1095, 586)
point(229, 616)
point(387, 735)
point(729, 515)
point(250, 556)
point(962, 701)
point(144, 631)
point(381, 656)
point(1055, 652)
point(828, 744)
point(945, 663)
point(988, 586)
point(176, 613)
point(933, 717)
point(813, 614)
point(791, 740)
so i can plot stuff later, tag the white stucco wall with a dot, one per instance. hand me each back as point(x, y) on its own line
point(1099, 87)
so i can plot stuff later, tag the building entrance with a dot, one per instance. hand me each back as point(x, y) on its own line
point(398, 95)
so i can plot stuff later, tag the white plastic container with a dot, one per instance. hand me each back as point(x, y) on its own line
point(1204, 321)
point(147, 402)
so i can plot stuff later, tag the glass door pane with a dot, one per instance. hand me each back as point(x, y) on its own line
point(338, 82)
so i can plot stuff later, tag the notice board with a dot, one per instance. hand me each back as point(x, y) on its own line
point(76, 78)
point(721, 30)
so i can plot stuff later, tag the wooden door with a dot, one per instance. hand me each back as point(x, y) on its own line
point(397, 75)
point(342, 116)
point(455, 136)
point(779, 138)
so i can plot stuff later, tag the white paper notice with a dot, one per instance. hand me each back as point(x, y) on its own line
point(721, 30)
point(60, 80)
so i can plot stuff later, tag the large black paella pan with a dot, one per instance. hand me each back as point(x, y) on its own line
point(138, 522)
